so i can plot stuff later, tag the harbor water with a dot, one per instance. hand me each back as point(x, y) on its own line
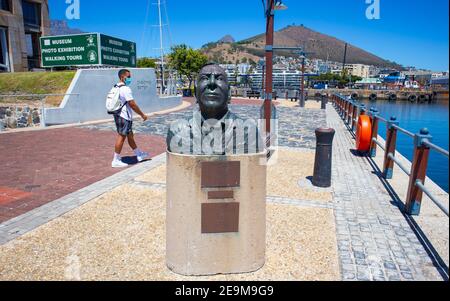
point(413, 117)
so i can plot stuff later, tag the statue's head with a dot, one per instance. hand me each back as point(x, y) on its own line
point(213, 91)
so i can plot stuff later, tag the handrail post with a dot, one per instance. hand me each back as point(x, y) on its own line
point(362, 110)
point(339, 104)
point(373, 146)
point(354, 113)
point(391, 144)
point(347, 112)
point(346, 109)
point(350, 112)
point(418, 172)
point(43, 119)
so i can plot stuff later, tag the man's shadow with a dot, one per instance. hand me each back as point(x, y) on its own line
point(132, 160)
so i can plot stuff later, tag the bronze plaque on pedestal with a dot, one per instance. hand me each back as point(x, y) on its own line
point(221, 174)
point(220, 195)
point(220, 218)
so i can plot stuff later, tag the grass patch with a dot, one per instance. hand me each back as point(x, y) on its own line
point(35, 83)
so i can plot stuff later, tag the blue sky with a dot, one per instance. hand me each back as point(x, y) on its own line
point(410, 32)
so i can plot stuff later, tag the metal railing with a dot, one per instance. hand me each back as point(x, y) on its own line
point(42, 100)
point(351, 110)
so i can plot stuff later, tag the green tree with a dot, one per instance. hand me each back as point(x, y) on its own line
point(146, 62)
point(356, 78)
point(342, 79)
point(187, 61)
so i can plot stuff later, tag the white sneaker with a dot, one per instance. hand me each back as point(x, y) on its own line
point(118, 164)
point(143, 156)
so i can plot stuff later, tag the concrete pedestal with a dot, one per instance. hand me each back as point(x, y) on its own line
point(216, 214)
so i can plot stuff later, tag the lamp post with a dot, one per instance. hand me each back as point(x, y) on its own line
point(270, 16)
point(262, 63)
point(302, 92)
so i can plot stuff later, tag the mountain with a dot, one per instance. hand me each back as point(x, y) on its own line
point(227, 39)
point(60, 27)
point(320, 46)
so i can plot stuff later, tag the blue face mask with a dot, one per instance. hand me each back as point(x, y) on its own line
point(128, 81)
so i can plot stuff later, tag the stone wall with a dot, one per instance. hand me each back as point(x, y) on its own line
point(19, 117)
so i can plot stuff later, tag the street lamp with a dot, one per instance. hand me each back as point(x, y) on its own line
point(270, 16)
point(280, 6)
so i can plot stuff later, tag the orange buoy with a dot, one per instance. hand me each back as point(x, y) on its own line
point(364, 133)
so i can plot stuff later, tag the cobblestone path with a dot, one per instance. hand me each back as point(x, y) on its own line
point(296, 128)
point(375, 240)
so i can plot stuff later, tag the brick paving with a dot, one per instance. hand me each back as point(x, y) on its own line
point(375, 240)
point(39, 216)
point(42, 166)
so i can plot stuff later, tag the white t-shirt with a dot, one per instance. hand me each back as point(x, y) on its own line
point(125, 96)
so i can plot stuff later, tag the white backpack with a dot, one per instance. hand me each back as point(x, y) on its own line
point(113, 104)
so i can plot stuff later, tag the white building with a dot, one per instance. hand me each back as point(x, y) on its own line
point(282, 79)
point(235, 70)
point(359, 70)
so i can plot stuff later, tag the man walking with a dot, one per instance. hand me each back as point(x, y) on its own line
point(124, 121)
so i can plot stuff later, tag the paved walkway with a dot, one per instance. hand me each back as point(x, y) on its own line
point(354, 231)
point(114, 229)
point(296, 127)
point(37, 172)
point(375, 240)
point(42, 166)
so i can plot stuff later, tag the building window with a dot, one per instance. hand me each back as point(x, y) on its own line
point(33, 50)
point(5, 5)
point(31, 14)
point(4, 55)
point(29, 43)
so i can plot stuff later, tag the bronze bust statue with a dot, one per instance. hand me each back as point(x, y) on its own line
point(214, 129)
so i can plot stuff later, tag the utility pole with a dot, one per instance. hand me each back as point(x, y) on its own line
point(263, 66)
point(269, 11)
point(302, 96)
point(302, 54)
point(345, 60)
point(270, 16)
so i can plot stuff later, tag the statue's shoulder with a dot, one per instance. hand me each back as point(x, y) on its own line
point(233, 116)
point(180, 124)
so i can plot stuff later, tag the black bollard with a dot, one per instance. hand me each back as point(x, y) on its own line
point(302, 99)
point(324, 102)
point(323, 162)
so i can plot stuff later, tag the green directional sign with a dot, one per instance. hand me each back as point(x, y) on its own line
point(117, 52)
point(92, 49)
point(73, 50)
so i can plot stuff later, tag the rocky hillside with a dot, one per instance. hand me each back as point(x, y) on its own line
point(229, 53)
point(227, 39)
point(320, 45)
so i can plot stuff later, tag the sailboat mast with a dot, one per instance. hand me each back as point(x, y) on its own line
point(161, 46)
